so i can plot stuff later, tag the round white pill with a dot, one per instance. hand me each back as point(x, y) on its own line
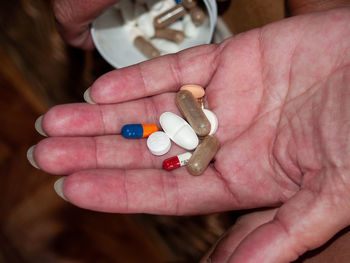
point(158, 143)
point(212, 119)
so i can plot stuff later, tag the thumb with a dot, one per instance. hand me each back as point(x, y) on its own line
point(305, 222)
point(230, 240)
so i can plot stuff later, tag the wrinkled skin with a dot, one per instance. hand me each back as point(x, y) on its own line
point(74, 17)
point(282, 97)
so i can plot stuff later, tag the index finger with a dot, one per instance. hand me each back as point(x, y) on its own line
point(163, 74)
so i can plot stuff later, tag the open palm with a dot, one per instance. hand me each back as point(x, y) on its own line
point(282, 97)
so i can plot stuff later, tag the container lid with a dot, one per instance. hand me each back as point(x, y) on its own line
point(113, 40)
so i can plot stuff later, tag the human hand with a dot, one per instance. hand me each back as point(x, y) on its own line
point(74, 18)
point(281, 95)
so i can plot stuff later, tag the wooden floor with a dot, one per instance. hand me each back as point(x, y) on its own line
point(38, 226)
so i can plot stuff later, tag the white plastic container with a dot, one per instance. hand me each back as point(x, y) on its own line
point(115, 44)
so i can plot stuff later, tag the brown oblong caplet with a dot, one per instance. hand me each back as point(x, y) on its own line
point(173, 35)
point(197, 15)
point(146, 47)
point(169, 16)
point(193, 113)
point(203, 154)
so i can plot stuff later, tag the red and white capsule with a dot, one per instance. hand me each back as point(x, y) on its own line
point(176, 161)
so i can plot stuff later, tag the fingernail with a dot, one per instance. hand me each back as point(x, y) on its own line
point(39, 127)
point(87, 97)
point(30, 156)
point(59, 188)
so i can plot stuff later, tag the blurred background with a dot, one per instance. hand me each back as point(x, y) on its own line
point(38, 70)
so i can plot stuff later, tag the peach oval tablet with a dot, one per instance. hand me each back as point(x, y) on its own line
point(196, 90)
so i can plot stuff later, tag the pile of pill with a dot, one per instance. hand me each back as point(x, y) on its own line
point(158, 27)
point(201, 123)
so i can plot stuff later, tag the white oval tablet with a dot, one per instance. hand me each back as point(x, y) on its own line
point(158, 143)
point(178, 130)
point(212, 119)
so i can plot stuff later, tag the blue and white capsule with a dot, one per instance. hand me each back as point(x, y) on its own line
point(134, 131)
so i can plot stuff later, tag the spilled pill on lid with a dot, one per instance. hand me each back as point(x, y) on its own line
point(197, 15)
point(178, 130)
point(170, 16)
point(189, 3)
point(157, 7)
point(173, 35)
point(134, 131)
point(146, 47)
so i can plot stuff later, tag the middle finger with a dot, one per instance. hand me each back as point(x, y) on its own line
point(65, 155)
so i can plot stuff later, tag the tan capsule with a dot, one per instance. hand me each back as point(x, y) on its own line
point(170, 16)
point(203, 154)
point(145, 47)
point(197, 15)
point(193, 113)
point(189, 3)
point(196, 90)
point(173, 35)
